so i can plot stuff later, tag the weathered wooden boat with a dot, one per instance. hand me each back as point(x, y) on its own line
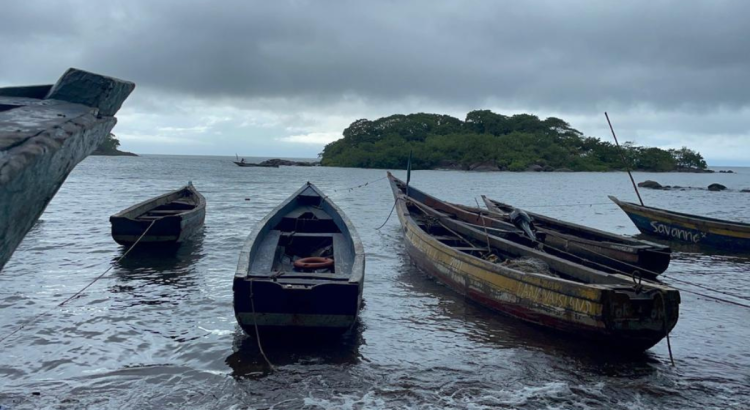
point(45, 131)
point(166, 219)
point(692, 229)
point(617, 251)
point(489, 267)
point(301, 268)
point(247, 164)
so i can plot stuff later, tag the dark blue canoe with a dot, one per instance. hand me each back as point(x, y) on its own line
point(692, 229)
point(273, 293)
point(163, 220)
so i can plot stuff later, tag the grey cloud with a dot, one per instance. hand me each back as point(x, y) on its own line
point(544, 54)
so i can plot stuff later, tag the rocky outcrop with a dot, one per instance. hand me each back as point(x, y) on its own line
point(745, 190)
point(535, 168)
point(115, 153)
point(563, 170)
point(650, 184)
point(484, 167)
point(44, 132)
point(276, 162)
point(716, 187)
point(729, 171)
point(451, 166)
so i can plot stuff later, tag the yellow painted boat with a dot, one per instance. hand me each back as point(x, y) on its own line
point(526, 283)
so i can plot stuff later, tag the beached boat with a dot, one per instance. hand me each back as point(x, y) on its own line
point(692, 229)
point(617, 251)
point(489, 267)
point(166, 219)
point(301, 268)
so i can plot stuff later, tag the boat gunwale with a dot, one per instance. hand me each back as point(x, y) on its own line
point(732, 226)
point(200, 204)
point(358, 260)
point(626, 281)
point(636, 244)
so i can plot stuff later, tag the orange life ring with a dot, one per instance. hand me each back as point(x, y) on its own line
point(313, 262)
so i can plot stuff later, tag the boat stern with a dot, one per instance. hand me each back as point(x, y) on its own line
point(639, 319)
point(295, 305)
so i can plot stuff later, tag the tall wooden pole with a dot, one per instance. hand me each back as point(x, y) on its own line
point(624, 161)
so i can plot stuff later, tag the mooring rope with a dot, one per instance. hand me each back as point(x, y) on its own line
point(389, 215)
point(360, 185)
point(666, 327)
point(257, 333)
point(59, 305)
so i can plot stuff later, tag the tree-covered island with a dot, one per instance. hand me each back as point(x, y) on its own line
point(490, 141)
point(110, 146)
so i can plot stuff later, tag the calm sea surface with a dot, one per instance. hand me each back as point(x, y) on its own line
point(158, 330)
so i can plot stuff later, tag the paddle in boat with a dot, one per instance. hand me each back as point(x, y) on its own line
point(301, 268)
point(496, 268)
point(166, 219)
point(692, 229)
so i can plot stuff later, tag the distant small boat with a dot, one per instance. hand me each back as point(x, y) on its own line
point(301, 268)
point(617, 251)
point(165, 219)
point(508, 275)
point(247, 164)
point(693, 229)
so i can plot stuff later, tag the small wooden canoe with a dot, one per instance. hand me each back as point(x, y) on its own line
point(686, 228)
point(617, 251)
point(275, 290)
point(529, 284)
point(166, 219)
point(250, 165)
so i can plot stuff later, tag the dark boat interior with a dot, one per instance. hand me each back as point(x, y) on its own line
point(305, 229)
point(178, 206)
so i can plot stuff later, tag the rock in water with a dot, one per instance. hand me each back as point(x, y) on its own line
point(535, 168)
point(650, 184)
point(716, 187)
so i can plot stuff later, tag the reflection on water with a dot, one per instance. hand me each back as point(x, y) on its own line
point(247, 361)
point(158, 330)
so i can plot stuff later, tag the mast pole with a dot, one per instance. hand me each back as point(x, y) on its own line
point(624, 161)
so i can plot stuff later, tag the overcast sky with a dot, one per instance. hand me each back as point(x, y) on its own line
point(282, 78)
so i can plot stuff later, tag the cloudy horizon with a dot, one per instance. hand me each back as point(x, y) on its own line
point(285, 78)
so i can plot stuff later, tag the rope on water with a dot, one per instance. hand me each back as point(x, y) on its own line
point(559, 205)
point(697, 285)
point(360, 185)
point(59, 305)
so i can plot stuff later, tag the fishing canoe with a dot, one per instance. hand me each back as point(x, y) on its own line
point(166, 219)
point(247, 164)
point(528, 284)
point(692, 229)
point(617, 251)
point(276, 289)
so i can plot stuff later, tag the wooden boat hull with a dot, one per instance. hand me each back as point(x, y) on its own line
point(330, 307)
point(274, 299)
point(613, 314)
point(691, 229)
point(249, 165)
point(616, 251)
point(126, 229)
